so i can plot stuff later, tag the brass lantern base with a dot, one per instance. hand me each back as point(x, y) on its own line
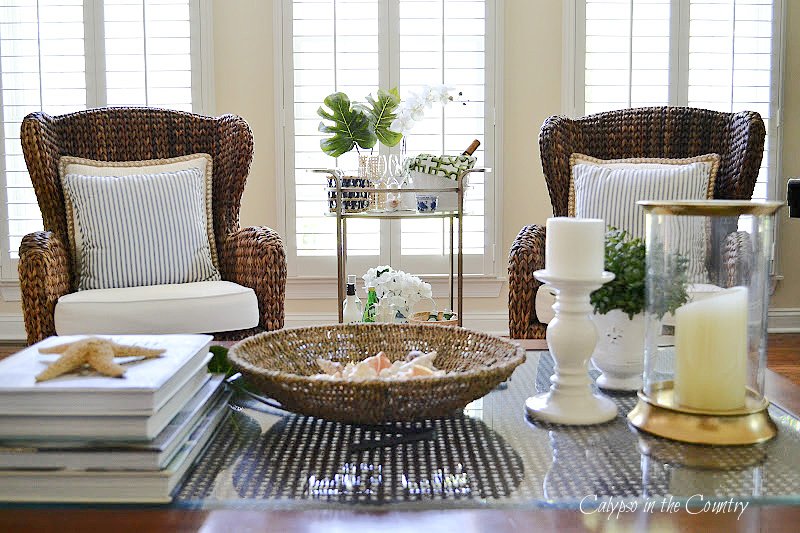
point(660, 415)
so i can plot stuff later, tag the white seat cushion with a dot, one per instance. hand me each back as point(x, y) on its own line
point(202, 307)
point(545, 298)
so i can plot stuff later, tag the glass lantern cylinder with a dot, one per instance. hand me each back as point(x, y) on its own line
point(707, 295)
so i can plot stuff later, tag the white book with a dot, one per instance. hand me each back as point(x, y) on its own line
point(107, 486)
point(146, 386)
point(120, 425)
point(209, 403)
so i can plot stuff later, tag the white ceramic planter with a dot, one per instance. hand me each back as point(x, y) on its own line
point(619, 354)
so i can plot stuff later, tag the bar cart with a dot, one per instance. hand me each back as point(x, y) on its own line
point(456, 269)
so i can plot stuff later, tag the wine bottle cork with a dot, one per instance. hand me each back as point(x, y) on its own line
point(472, 147)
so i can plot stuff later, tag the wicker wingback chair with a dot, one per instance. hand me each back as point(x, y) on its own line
point(666, 132)
point(253, 257)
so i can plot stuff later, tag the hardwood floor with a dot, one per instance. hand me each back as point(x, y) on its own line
point(783, 354)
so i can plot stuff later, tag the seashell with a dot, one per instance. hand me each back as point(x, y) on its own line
point(329, 367)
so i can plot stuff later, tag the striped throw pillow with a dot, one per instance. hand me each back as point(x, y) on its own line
point(144, 229)
point(92, 167)
point(611, 192)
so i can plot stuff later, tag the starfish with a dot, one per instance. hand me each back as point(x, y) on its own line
point(98, 353)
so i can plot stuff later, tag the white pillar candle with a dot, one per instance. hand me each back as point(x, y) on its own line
point(574, 247)
point(711, 351)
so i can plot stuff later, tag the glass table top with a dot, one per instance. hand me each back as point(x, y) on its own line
point(490, 456)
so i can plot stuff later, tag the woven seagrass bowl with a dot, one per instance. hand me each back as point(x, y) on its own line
point(281, 364)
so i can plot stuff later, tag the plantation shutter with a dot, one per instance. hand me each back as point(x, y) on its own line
point(41, 68)
point(627, 54)
point(357, 47)
point(335, 48)
point(730, 64)
point(148, 53)
point(444, 42)
point(714, 54)
point(61, 56)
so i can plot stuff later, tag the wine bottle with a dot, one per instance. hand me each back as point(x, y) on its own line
point(472, 147)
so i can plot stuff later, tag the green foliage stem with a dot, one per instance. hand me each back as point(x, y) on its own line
point(219, 363)
point(625, 256)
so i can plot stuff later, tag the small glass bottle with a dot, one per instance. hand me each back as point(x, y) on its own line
point(352, 309)
point(369, 309)
point(384, 311)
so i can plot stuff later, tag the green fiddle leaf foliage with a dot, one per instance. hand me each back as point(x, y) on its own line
point(626, 258)
point(382, 114)
point(351, 126)
point(219, 363)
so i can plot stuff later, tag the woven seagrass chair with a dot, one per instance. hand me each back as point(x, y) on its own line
point(663, 132)
point(252, 257)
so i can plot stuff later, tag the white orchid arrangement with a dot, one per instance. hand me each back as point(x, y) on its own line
point(412, 109)
point(403, 290)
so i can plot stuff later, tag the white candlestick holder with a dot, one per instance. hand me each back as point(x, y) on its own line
point(571, 338)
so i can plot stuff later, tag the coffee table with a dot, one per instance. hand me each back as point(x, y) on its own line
point(490, 466)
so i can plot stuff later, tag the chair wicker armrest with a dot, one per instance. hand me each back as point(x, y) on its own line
point(254, 257)
point(737, 259)
point(526, 256)
point(44, 276)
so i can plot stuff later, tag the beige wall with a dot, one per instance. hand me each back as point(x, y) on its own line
point(243, 76)
point(787, 294)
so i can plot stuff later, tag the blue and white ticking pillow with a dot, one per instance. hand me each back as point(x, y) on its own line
point(141, 229)
point(609, 189)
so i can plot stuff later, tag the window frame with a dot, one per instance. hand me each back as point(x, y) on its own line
point(574, 46)
point(310, 283)
point(574, 55)
point(203, 102)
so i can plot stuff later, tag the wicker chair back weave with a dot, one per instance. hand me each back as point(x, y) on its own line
point(136, 134)
point(663, 132)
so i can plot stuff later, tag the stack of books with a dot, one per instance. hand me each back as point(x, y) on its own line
point(92, 438)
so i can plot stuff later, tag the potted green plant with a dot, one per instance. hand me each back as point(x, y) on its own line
point(619, 310)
